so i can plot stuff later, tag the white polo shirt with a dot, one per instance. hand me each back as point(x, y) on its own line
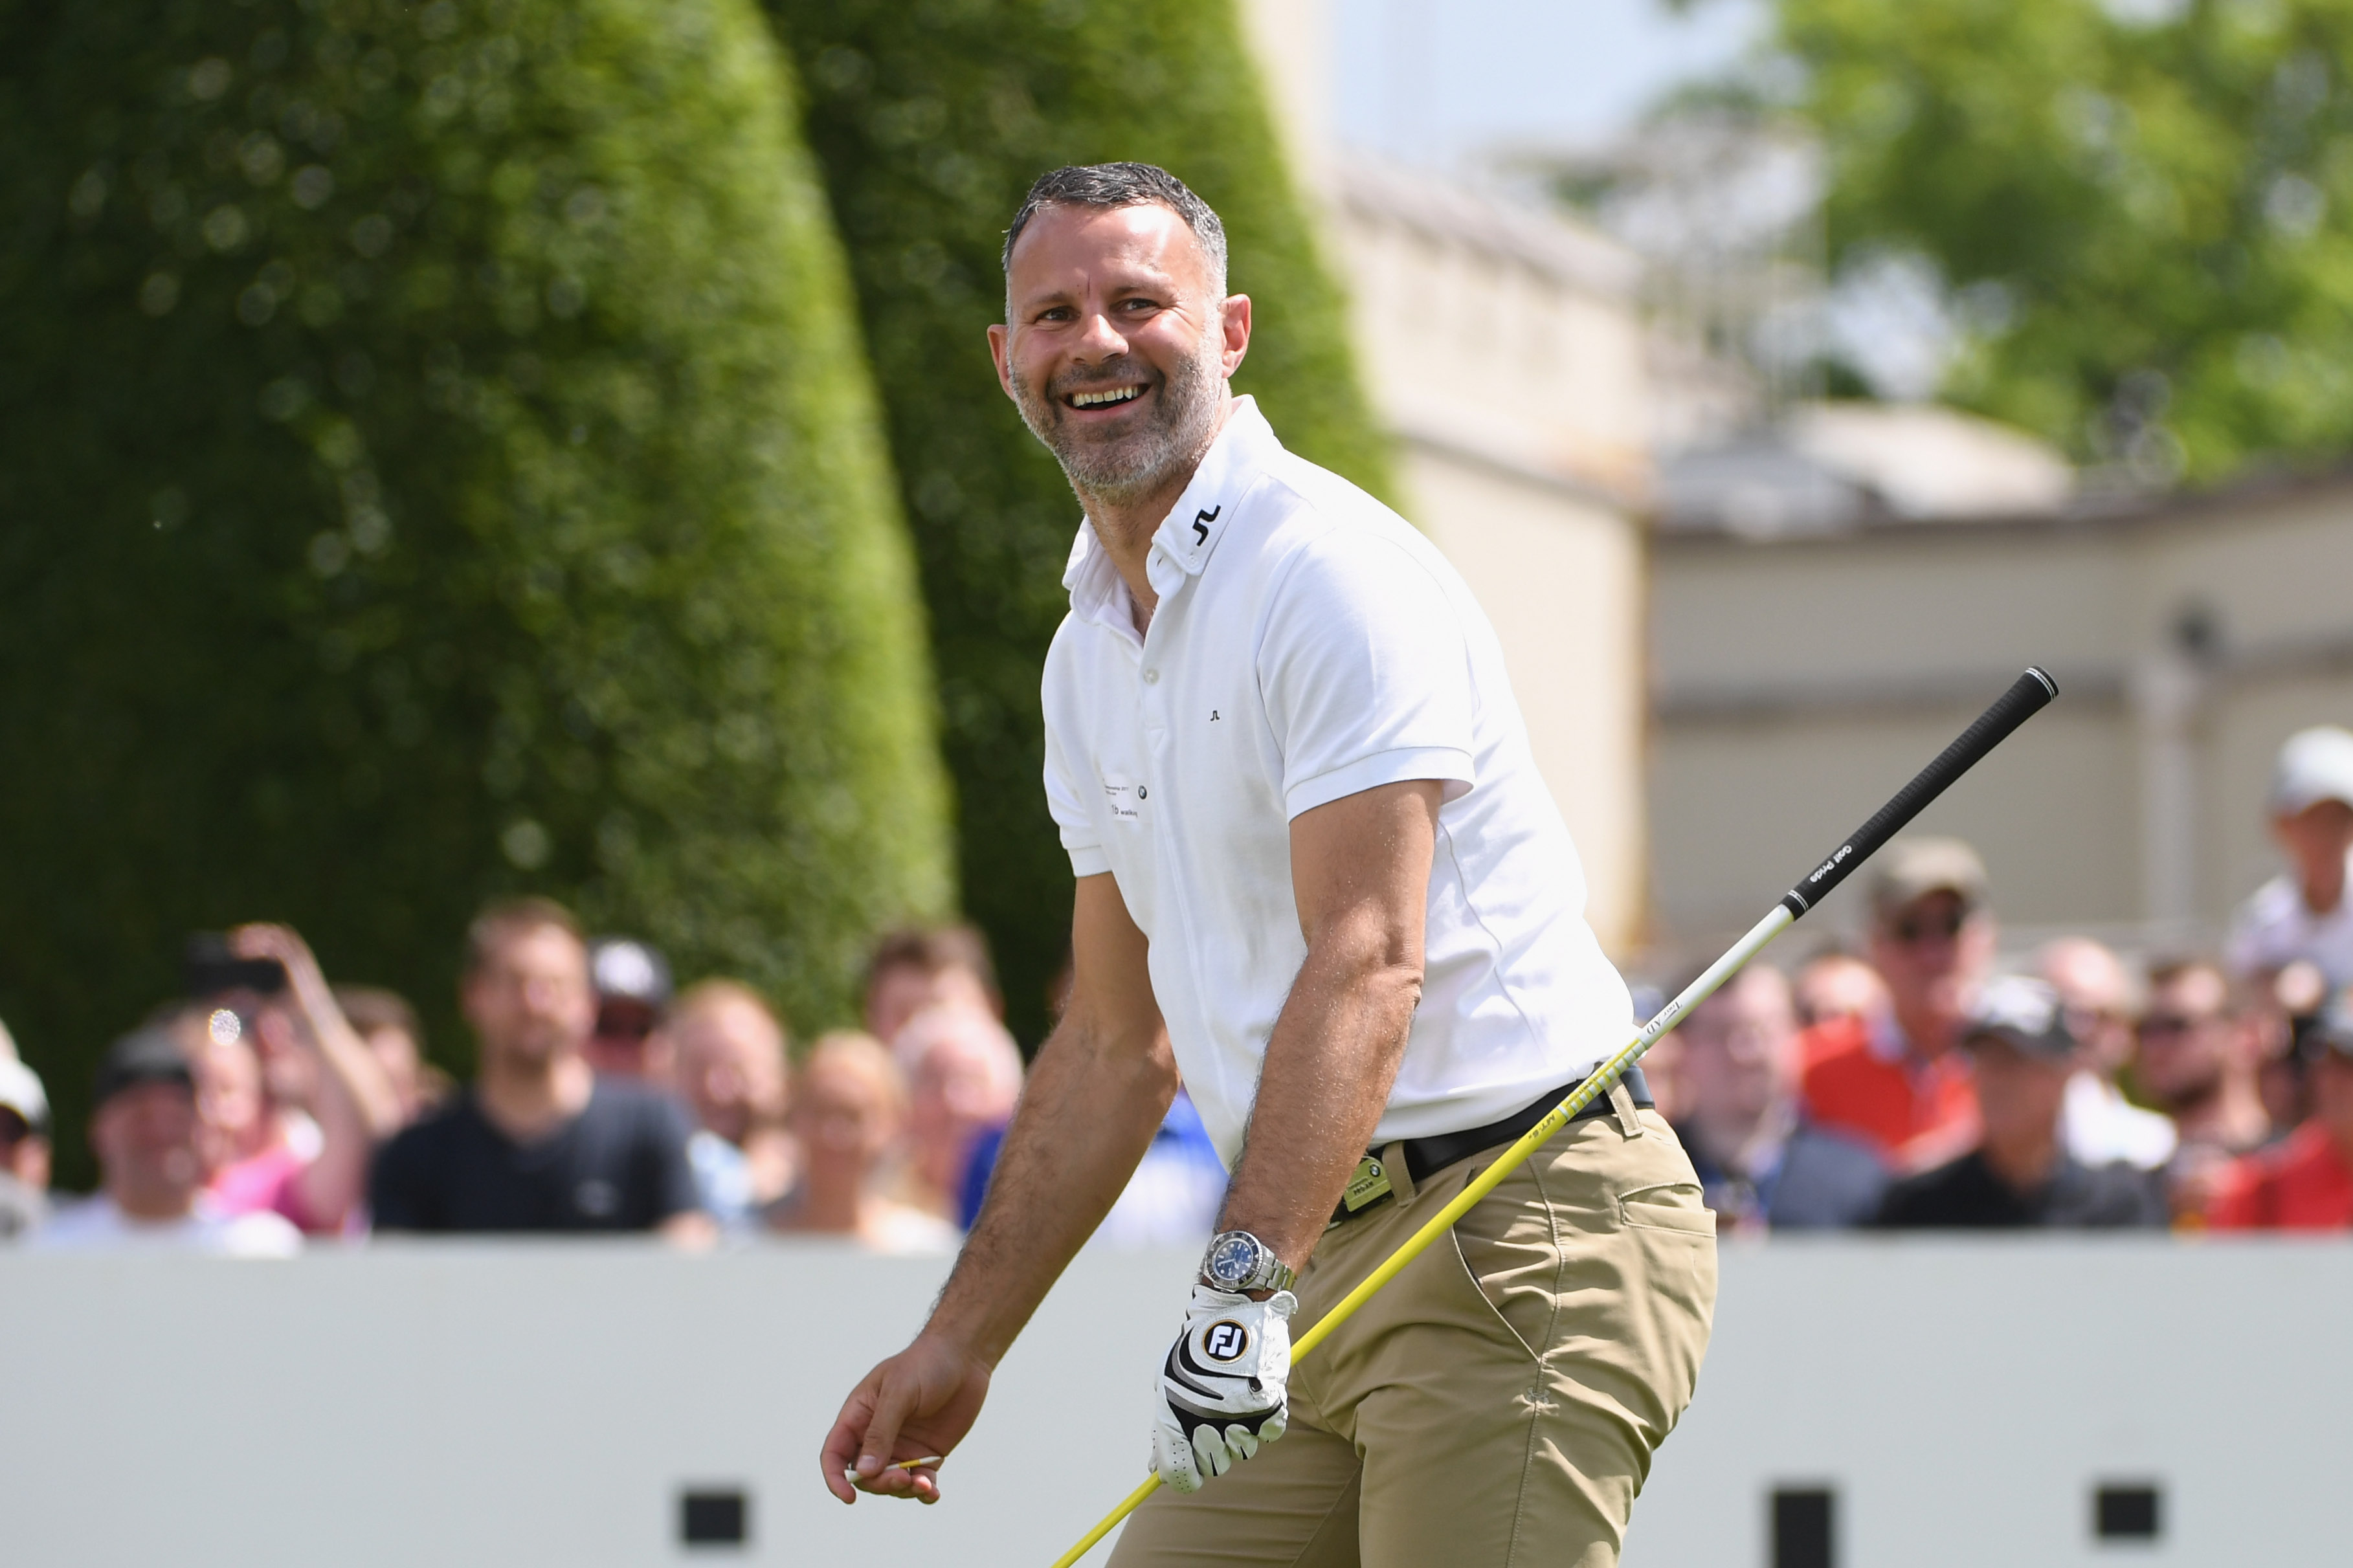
point(2273, 929)
point(1309, 644)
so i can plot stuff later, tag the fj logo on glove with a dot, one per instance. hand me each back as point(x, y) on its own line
point(1226, 1340)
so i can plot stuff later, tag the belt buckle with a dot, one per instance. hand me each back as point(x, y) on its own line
point(1367, 1186)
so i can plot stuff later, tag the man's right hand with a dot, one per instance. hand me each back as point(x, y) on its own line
point(919, 1404)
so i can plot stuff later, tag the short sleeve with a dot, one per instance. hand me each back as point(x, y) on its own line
point(1076, 823)
point(675, 1190)
point(1365, 671)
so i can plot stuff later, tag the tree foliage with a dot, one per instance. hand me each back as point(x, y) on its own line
point(2145, 208)
point(931, 120)
point(436, 459)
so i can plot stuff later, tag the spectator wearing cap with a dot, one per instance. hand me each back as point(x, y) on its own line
point(633, 991)
point(916, 970)
point(2305, 1181)
point(727, 1056)
point(2097, 991)
point(962, 1073)
point(1759, 1162)
point(2302, 913)
point(848, 1107)
point(24, 1148)
point(2021, 1172)
point(541, 1141)
point(386, 1025)
point(299, 1146)
point(1895, 1081)
point(151, 1194)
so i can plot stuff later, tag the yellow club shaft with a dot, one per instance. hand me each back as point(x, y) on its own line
point(1595, 1084)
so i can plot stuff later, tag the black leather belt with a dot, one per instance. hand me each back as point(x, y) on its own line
point(1425, 1157)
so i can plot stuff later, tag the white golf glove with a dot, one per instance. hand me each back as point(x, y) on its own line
point(1222, 1388)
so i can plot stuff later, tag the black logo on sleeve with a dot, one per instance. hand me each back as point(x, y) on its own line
point(1201, 522)
point(1226, 1340)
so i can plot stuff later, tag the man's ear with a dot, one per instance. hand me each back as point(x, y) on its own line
point(999, 341)
point(1234, 324)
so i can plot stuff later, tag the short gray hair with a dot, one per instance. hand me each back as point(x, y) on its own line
point(1109, 186)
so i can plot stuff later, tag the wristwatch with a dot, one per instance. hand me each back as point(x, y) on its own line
point(1238, 1261)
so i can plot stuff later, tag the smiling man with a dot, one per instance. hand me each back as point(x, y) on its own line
point(1317, 872)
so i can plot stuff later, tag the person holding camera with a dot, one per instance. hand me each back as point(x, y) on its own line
point(293, 1100)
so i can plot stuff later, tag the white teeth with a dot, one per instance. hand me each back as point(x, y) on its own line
point(1096, 399)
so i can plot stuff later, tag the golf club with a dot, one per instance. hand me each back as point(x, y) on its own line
point(2028, 696)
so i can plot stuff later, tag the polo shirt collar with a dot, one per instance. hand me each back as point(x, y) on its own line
point(1188, 536)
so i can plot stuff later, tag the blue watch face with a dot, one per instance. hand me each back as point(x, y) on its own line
point(1231, 1258)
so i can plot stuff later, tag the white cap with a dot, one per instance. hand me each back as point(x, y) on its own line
point(20, 1091)
point(2315, 764)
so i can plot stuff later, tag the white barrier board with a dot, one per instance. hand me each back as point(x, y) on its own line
point(513, 1403)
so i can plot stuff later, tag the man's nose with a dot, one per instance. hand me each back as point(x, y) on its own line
point(1098, 338)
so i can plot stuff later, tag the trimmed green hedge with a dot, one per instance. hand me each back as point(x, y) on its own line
point(437, 459)
point(931, 120)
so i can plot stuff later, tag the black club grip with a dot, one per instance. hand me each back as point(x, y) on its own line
point(2028, 696)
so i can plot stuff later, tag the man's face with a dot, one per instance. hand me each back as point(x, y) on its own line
point(1837, 986)
point(2019, 1095)
point(530, 1001)
point(1740, 1049)
point(730, 1068)
point(1116, 346)
point(903, 990)
point(1932, 951)
point(2316, 838)
point(2097, 994)
point(2186, 1037)
point(844, 1113)
point(145, 1140)
point(622, 1039)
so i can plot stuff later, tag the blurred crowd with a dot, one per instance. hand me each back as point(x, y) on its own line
point(266, 1108)
point(1915, 1081)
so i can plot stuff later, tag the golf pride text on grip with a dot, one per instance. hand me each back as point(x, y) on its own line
point(2028, 695)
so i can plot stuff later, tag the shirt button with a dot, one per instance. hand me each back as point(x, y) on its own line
point(1151, 678)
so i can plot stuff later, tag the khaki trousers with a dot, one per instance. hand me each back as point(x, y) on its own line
point(1498, 1403)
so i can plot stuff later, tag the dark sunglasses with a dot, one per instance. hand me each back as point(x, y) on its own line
point(2166, 1025)
point(1912, 929)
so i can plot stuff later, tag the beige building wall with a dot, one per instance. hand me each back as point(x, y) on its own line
point(1800, 680)
point(1501, 347)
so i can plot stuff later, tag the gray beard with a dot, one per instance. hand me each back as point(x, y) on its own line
point(1133, 465)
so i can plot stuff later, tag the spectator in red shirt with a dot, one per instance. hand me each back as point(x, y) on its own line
point(2305, 1182)
point(1897, 1082)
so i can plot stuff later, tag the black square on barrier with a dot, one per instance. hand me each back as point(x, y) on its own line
point(1801, 1527)
point(713, 1518)
point(2127, 1511)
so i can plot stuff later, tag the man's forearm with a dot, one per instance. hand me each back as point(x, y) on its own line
point(1329, 1067)
point(1087, 1115)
